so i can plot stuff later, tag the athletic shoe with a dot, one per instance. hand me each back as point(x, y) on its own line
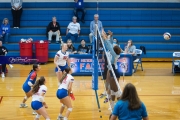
point(17, 27)
point(72, 96)
point(57, 42)
point(60, 118)
point(102, 95)
point(34, 113)
point(11, 66)
point(65, 118)
point(49, 42)
point(110, 109)
point(2, 75)
point(106, 100)
point(23, 105)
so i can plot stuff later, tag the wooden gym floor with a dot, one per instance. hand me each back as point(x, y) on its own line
point(156, 86)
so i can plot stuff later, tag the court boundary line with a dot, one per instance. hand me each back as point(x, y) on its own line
point(92, 95)
point(1, 99)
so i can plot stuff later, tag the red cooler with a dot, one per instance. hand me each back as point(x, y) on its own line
point(26, 50)
point(42, 51)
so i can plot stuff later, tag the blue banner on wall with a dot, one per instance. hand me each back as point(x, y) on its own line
point(84, 65)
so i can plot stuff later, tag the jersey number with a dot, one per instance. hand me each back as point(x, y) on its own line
point(65, 58)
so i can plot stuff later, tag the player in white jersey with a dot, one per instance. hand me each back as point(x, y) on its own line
point(61, 60)
point(38, 104)
point(62, 93)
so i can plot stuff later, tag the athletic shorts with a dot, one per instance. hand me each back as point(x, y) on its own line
point(36, 105)
point(61, 67)
point(61, 93)
point(26, 88)
point(115, 71)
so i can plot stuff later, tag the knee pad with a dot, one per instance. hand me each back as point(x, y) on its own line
point(70, 109)
point(25, 97)
point(118, 94)
point(38, 116)
point(112, 92)
point(63, 105)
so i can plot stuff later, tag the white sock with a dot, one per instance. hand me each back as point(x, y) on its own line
point(60, 115)
point(112, 104)
point(65, 118)
point(104, 93)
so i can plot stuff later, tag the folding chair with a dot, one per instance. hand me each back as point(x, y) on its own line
point(138, 59)
point(175, 63)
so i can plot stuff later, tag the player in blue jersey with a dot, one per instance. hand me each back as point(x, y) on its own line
point(30, 81)
point(113, 54)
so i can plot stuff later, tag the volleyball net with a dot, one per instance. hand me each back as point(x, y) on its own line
point(99, 47)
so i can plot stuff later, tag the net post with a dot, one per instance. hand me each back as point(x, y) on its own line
point(95, 66)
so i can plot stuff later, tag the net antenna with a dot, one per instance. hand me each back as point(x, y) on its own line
point(109, 62)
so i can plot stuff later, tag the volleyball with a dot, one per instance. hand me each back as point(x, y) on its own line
point(167, 36)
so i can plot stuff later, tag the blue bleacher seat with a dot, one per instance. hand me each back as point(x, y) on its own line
point(142, 22)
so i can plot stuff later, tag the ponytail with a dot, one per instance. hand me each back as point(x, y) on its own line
point(35, 66)
point(36, 87)
point(37, 84)
point(62, 78)
point(66, 71)
point(30, 71)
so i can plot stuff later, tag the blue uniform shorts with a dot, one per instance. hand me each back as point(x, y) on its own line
point(61, 67)
point(26, 88)
point(36, 105)
point(61, 93)
point(115, 71)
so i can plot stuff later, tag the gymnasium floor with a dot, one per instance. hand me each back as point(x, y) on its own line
point(156, 86)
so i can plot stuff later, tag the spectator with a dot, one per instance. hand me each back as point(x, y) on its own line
point(16, 12)
point(53, 29)
point(3, 52)
point(115, 42)
point(79, 7)
point(92, 26)
point(83, 48)
point(5, 31)
point(71, 48)
point(129, 107)
point(73, 30)
point(131, 49)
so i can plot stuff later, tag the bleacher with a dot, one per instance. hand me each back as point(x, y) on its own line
point(144, 23)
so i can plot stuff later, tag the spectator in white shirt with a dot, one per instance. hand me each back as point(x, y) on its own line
point(16, 12)
point(73, 30)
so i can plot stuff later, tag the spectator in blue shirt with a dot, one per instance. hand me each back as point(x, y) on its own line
point(92, 26)
point(129, 107)
point(5, 31)
point(79, 7)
